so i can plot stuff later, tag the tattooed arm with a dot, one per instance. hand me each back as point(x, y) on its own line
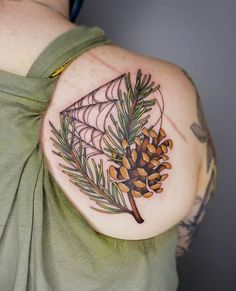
point(189, 226)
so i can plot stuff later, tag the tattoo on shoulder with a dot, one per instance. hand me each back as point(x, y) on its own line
point(112, 148)
point(200, 129)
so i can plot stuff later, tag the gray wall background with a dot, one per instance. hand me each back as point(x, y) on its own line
point(200, 36)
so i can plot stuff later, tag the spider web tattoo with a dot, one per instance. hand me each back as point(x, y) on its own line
point(113, 124)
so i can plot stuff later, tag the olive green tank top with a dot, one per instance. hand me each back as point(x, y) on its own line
point(45, 243)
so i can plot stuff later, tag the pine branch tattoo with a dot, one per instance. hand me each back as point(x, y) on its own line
point(113, 124)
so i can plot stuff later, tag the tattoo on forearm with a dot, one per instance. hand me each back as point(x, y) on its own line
point(113, 124)
point(188, 228)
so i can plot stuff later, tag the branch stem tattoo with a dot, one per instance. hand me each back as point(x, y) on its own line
point(113, 124)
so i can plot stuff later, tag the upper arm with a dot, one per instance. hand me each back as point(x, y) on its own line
point(117, 140)
point(190, 224)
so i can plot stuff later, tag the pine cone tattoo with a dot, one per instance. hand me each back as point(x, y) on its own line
point(141, 168)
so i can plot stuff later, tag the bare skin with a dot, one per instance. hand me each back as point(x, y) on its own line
point(24, 22)
point(188, 178)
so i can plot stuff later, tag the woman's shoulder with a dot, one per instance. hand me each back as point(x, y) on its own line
point(24, 37)
point(117, 137)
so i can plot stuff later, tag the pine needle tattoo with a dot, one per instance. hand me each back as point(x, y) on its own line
point(113, 124)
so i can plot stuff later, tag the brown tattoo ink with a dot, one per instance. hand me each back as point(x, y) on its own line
point(112, 123)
